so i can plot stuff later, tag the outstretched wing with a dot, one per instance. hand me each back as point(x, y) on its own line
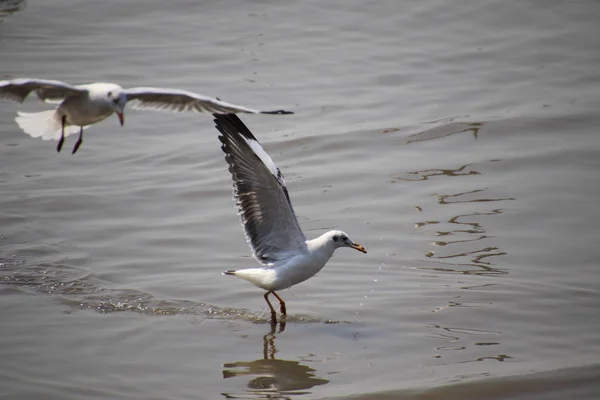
point(46, 90)
point(181, 101)
point(263, 202)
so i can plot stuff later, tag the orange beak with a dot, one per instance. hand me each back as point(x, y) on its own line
point(121, 117)
point(358, 247)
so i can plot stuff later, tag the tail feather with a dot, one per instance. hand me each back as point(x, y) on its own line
point(229, 272)
point(44, 124)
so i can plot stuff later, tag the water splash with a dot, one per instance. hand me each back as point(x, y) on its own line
point(83, 291)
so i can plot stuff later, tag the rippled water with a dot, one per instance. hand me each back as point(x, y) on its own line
point(457, 141)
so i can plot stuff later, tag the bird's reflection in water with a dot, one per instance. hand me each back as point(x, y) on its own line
point(272, 378)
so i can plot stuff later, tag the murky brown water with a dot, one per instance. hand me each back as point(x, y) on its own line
point(458, 141)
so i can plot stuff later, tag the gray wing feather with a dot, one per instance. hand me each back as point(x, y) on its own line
point(46, 90)
point(182, 101)
point(263, 202)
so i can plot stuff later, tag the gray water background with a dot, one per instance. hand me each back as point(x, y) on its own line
point(456, 140)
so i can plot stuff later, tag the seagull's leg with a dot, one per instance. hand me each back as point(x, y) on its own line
point(273, 313)
point(62, 133)
point(79, 141)
point(281, 304)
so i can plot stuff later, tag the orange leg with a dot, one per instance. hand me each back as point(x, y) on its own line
point(281, 304)
point(273, 313)
point(62, 133)
point(79, 141)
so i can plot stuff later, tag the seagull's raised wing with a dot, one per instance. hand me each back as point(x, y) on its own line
point(181, 100)
point(46, 90)
point(268, 219)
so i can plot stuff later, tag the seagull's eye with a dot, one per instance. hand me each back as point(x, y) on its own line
point(109, 94)
point(344, 238)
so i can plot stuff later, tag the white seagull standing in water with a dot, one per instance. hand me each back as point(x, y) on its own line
point(84, 105)
point(268, 218)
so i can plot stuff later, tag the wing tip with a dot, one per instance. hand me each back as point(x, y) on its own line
point(278, 112)
point(231, 125)
point(228, 272)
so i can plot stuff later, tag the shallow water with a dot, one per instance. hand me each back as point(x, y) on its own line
point(457, 141)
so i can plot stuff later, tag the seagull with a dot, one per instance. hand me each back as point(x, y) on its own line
point(268, 219)
point(84, 105)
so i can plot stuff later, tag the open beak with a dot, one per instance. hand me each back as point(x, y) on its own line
point(358, 247)
point(121, 117)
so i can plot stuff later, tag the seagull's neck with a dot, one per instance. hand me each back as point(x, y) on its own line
point(321, 246)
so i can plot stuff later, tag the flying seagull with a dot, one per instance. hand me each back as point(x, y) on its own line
point(84, 105)
point(268, 219)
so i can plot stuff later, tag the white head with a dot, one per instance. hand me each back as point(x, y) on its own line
point(117, 99)
point(340, 239)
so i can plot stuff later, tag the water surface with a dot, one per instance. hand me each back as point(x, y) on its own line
point(457, 141)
